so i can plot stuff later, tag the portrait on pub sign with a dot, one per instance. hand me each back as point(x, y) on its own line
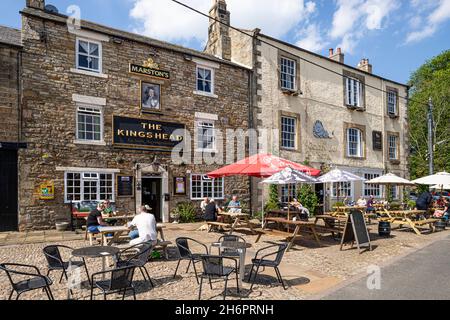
point(150, 96)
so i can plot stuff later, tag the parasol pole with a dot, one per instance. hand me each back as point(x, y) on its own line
point(262, 208)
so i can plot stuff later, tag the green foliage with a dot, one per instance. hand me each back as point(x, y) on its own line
point(395, 206)
point(339, 204)
point(411, 204)
point(308, 198)
point(272, 203)
point(185, 211)
point(430, 80)
point(389, 194)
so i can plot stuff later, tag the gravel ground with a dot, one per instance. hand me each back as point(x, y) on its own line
point(306, 268)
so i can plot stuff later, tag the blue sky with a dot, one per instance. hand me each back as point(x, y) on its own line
point(396, 35)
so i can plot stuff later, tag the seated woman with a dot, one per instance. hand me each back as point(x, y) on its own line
point(444, 214)
point(298, 206)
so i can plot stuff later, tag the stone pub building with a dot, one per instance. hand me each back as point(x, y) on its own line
point(97, 113)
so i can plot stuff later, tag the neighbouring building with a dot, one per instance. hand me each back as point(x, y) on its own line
point(317, 109)
point(102, 110)
point(10, 119)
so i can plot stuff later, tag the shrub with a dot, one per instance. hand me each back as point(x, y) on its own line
point(185, 211)
point(272, 203)
point(308, 198)
point(411, 204)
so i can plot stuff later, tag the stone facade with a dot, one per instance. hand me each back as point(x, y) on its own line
point(52, 87)
point(319, 95)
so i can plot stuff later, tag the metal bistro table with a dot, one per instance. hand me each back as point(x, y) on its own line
point(241, 248)
point(97, 252)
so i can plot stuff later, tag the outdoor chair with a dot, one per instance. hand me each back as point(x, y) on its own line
point(140, 254)
point(55, 261)
point(23, 281)
point(186, 254)
point(120, 281)
point(263, 261)
point(228, 252)
point(213, 268)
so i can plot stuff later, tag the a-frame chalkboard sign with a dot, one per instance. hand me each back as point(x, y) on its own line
point(356, 231)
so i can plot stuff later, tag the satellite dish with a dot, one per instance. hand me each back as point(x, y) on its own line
point(51, 8)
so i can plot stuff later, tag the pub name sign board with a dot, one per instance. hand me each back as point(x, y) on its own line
point(151, 69)
point(146, 134)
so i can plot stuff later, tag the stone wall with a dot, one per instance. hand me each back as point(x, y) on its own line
point(9, 93)
point(50, 114)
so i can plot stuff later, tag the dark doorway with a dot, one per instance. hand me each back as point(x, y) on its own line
point(320, 192)
point(151, 195)
point(8, 190)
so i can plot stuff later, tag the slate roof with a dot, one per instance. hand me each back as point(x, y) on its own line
point(10, 36)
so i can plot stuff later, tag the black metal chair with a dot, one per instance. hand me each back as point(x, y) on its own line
point(121, 281)
point(186, 254)
point(55, 261)
point(138, 259)
point(213, 268)
point(228, 252)
point(270, 263)
point(28, 281)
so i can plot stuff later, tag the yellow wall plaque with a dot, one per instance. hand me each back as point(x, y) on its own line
point(47, 191)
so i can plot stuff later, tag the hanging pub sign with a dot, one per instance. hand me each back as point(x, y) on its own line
point(47, 191)
point(377, 139)
point(149, 68)
point(146, 134)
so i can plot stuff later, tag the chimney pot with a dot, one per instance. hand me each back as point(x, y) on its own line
point(36, 4)
point(331, 52)
point(339, 51)
point(364, 65)
point(337, 56)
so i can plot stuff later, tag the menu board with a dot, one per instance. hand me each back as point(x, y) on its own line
point(125, 186)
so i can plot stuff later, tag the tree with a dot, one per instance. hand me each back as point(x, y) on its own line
point(430, 80)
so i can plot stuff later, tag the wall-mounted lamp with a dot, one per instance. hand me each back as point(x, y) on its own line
point(138, 186)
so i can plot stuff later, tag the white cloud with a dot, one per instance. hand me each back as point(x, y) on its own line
point(166, 20)
point(311, 38)
point(353, 18)
point(439, 15)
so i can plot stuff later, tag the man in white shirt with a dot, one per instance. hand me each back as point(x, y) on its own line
point(145, 223)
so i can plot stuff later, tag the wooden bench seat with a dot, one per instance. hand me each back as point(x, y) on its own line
point(212, 224)
point(424, 222)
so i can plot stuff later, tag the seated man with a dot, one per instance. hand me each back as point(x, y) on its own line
point(203, 204)
point(234, 206)
point(370, 203)
point(211, 210)
point(361, 202)
point(145, 223)
point(95, 220)
point(109, 208)
point(303, 210)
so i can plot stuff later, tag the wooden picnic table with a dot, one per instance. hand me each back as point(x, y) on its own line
point(334, 224)
point(409, 218)
point(237, 220)
point(298, 226)
point(118, 231)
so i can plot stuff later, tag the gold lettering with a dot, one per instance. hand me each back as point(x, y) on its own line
point(120, 133)
point(141, 134)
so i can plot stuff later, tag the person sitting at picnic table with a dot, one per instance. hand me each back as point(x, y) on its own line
point(95, 219)
point(203, 204)
point(145, 224)
point(370, 205)
point(234, 206)
point(424, 201)
point(361, 202)
point(109, 210)
point(298, 206)
point(440, 203)
point(211, 211)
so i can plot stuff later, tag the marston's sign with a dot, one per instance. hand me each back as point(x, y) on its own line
point(147, 134)
point(151, 69)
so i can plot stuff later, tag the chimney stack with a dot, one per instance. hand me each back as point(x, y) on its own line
point(36, 4)
point(338, 56)
point(219, 40)
point(364, 65)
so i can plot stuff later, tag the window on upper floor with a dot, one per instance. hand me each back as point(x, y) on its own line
point(288, 74)
point(288, 132)
point(393, 147)
point(205, 80)
point(392, 102)
point(206, 135)
point(89, 126)
point(89, 55)
point(354, 92)
point(354, 143)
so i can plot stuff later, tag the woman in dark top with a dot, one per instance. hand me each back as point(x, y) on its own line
point(210, 211)
point(95, 220)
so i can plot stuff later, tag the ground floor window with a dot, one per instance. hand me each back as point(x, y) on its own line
point(342, 190)
point(88, 186)
point(288, 193)
point(202, 186)
point(371, 189)
point(394, 192)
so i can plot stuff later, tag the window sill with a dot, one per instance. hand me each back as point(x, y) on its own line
point(355, 158)
point(290, 92)
point(394, 162)
point(89, 73)
point(289, 149)
point(206, 94)
point(92, 143)
point(393, 116)
point(361, 109)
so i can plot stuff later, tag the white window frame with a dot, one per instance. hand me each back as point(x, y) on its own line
point(395, 148)
point(360, 151)
point(284, 192)
point(341, 195)
point(84, 178)
point(372, 187)
point(395, 194)
point(80, 107)
point(197, 89)
point(353, 92)
point(205, 179)
point(288, 75)
point(100, 57)
point(392, 100)
point(290, 133)
point(198, 123)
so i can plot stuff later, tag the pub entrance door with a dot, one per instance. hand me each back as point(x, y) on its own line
point(8, 190)
point(152, 195)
